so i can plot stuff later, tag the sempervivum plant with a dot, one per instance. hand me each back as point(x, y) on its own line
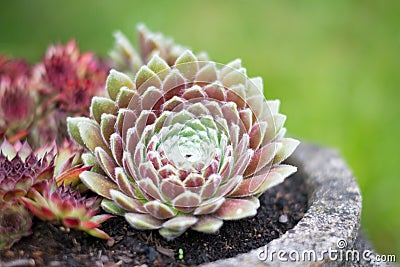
point(15, 223)
point(16, 87)
point(21, 167)
point(72, 78)
point(126, 59)
point(65, 81)
point(183, 145)
point(31, 177)
point(50, 202)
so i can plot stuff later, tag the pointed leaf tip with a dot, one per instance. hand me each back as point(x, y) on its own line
point(115, 81)
point(100, 106)
point(73, 128)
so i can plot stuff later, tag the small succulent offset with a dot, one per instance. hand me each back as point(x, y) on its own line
point(61, 85)
point(50, 202)
point(28, 182)
point(72, 78)
point(16, 86)
point(15, 223)
point(184, 145)
point(21, 168)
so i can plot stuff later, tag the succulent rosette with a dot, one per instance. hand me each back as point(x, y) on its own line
point(127, 60)
point(15, 223)
point(21, 167)
point(70, 78)
point(28, 179)
point(13, 68)
point(50, 202)
point(16, 87)
point(183, 145)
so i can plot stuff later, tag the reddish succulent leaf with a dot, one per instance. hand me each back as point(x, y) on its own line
point(106, 162)
point(260, 183)
point(128, 120)
point(124, 97)
point(235, 209)
point(101, 234)
point(230, 113)
point(159, 210)
point(214, 109)
point(74, 223)
point(128, 164)
point(147, 170)
point(71, 176)
point(148, 189)
point(246, 118)
point(124, 184)
point(187, 64)
point(261, 158)
point(209, 206)
point(237, 95)
point(173, 84)
point(242, 162)
point(152, 99)
point(229, 186)
point(186, 201)
point(126, 202)
point(171, 188)
point(117, 148)
point(101, 218)
point(211, 186)
point(13, 194)
point(36, 210)
point(207, 74)
point(145, 78)
point(194, 92)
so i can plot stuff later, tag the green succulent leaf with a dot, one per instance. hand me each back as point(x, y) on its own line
point(115, 81)
point(100, 106)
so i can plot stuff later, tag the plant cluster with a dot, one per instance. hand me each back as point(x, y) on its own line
point(174, 142)
point(44, 180)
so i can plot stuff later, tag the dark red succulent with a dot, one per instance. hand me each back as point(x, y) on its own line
point(15, 222)
point(71, 77)
point(16, 88)
point(13, 68)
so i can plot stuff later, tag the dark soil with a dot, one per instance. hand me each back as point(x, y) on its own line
point(281, 208)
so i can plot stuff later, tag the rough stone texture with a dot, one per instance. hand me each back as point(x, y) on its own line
point(331, 222)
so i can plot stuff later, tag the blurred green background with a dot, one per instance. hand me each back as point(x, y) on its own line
point(334, 64)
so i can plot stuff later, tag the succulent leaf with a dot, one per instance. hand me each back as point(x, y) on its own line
point(115, 81)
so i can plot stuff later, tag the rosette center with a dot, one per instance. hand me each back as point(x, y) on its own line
point(192, 148)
